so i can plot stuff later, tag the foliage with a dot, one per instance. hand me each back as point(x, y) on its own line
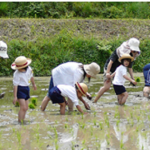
point(75, 9)
point(49, 53)
point(34, 101)
point(138, 79)
point(31, 106)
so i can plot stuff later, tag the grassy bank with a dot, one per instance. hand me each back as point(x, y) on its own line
point(49, 42)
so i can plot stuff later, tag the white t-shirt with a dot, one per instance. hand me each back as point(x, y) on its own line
point(120, 72)
point(70, 92)
point(22, 78)
point(68, 73)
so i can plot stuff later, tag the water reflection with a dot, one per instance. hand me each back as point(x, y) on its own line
point(106, 126)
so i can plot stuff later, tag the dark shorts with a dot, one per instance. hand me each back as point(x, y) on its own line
point(51, 85)
point(55, 95)
point(119, 89)
point(23, 92)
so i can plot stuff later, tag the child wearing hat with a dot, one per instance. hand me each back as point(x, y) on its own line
point(130, 47)
point(3, 54)
point(21, 81)
point(120, 77)
point(68, 74)
point(58, 93)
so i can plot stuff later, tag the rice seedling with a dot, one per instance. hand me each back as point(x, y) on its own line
point(34, 101)
point(31, 106)
point(17, 104)
point(138, 79)
point(121, 144)
point(101, 125)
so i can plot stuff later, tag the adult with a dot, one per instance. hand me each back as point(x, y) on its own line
point(146, 73)
point(3, 54)
point(68, 74)
point(129, 47)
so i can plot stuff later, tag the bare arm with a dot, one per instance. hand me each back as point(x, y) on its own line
point(15, 94)
point(112, 75)
point(33, 83)
point(129, 79)
point(108, 69)
point(86, 105)
point(79, 109)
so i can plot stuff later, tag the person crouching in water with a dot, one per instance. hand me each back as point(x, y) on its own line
point(58, 93)
point(120, 77)
point(21, 81)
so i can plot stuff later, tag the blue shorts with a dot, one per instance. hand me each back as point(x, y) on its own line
point(119, 89)
point(23, 92)
point(51, 85)
point(55, 95)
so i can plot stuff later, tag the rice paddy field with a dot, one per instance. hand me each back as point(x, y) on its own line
point(107, 126)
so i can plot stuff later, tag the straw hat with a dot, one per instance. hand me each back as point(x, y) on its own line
point(134, 44)
point(92, 69)
point(3, 50)
point(126, 56)
point(20, 62)
point(82, 88)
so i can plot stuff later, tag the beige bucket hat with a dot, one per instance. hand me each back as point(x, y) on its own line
point(126, 56)
point(3, 50)
point(21, 62)
point(92, 69)
point(134, 44)
point(82, 88)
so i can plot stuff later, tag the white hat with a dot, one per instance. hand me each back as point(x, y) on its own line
point(3, 50)
point(134, 44)
point(21, 62)
point(92, 69)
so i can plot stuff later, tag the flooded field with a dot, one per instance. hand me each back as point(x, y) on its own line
point(107, 126)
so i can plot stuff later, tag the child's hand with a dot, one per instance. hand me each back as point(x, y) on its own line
point(34, 87)
point(15, 100)
point(108, 76)
point(134, 82)
point(88, 96)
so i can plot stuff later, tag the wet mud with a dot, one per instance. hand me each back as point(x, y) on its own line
point(107, 126)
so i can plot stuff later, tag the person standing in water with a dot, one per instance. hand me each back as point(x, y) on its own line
point(120, 76)
point(3, 54)
point(146, 73)
point(21, 81)
point(130, 47)
point(68, 74)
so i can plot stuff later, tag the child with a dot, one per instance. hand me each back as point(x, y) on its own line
point(120, 76)
point(58, 93)
point(130, 47)
point(21, 82)
point(146, 73)
point(3, 54)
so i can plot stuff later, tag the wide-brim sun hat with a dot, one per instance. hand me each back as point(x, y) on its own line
point(3, 50)
point(82, 88)
point(92, 69)
point(21, 62)
point(134, 44)
point(126, 56)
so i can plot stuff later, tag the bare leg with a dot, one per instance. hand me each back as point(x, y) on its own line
point(122, 98)
point(23, 109)
point(62, 108)
point(45, 102)
point(105, 88)
point(70, 105)
point(146, 91)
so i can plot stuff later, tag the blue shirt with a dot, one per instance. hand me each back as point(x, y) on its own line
point(146, 73)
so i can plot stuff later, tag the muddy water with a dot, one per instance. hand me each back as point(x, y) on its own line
point(107, 126)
